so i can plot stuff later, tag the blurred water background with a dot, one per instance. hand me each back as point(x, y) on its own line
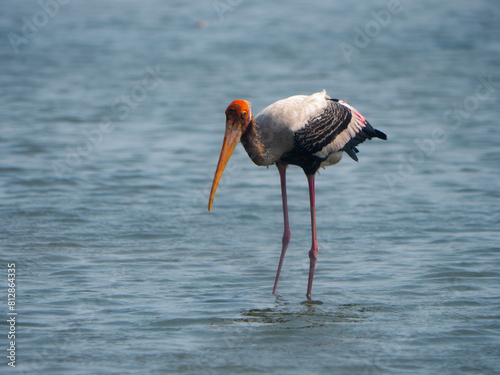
point(112, 117)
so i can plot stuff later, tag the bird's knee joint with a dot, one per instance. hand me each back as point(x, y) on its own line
point(313, 254)
point(286, 237)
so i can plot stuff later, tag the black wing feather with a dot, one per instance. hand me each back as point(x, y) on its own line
point(368, 132)
point(321, 130)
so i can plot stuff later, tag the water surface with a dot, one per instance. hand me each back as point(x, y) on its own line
point(106, 168)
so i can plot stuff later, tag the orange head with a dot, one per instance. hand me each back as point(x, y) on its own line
point(238, 116)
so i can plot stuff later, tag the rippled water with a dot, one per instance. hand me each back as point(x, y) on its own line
point(112, 118)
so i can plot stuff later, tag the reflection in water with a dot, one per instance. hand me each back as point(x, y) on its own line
point(306, 315)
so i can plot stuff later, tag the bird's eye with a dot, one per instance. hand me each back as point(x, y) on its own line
point(243, 114)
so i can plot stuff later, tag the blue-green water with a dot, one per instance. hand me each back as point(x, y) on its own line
point(112, 117)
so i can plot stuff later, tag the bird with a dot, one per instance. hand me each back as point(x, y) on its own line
point(308, 131)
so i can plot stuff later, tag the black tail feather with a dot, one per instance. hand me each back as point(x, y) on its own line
point(368, 132)
point(351, 152)
point(379, 134)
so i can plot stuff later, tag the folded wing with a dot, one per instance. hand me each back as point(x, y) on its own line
point(339, 127)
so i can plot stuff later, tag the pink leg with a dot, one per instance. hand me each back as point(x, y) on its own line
point(313, 253)
point(286, 232)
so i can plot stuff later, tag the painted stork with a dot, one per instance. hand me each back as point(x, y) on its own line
point(308, 131)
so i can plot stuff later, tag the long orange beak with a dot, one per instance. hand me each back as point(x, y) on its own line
point(231, 139)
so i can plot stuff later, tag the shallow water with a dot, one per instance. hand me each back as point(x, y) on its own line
point(112, 120)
